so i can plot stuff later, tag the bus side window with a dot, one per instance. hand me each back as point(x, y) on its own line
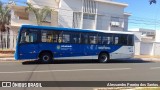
point(99, 39)
point(55, 36)
point(116, 40)
point(75, 37)
point(29, 36)
point(84, 38)
point(66, 37)
point(92, 38)
point(49, 36)
point(123, 39)
point(130, 41)
point(107, 39)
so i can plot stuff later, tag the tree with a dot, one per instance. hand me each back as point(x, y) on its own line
point(152, 1)
point(4, 19)
point(40, 14)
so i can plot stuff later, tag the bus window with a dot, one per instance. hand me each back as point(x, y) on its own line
point(107, 39)
point(84, 38)
point(29, 36)
point(55, 36)
point(130, 40)
point(66, 37)
point(46, 36)
point(116, 40)
point(92, 38)
point(99, 39)
point(75, 37)
point(123, 39)
point(120, 39)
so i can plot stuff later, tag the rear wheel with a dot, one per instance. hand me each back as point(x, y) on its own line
point(46, 57)
point(103, 58)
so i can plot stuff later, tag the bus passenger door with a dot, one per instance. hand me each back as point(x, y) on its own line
point(28, 45)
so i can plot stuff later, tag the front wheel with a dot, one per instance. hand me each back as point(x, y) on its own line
point(103, 58)
point(46, 57)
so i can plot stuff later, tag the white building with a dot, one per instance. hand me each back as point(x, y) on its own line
point(147, 41)
point(83, 14)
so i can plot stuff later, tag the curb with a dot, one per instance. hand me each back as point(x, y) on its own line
point(147, 59)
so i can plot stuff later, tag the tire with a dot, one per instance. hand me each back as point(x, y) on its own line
point(46, 57)
point(103, 58)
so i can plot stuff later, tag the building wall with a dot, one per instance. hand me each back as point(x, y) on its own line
point(109, 11)
point(157, 37)
point(41, 3)
point(66, 9)
point(147, 48)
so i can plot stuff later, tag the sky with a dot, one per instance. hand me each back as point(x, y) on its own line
point(143, 15)
point(18, 2)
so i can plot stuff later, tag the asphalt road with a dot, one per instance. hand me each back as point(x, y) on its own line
point(130, 70)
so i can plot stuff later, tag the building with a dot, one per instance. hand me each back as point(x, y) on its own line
point(147, 41)
point(83, 14)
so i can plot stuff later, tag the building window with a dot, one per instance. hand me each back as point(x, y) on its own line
point(89, 16)
point(76, 19)
point(21, 15)
point(89, 6)
point(115, 19)
point(47, 18)
point(115, 22)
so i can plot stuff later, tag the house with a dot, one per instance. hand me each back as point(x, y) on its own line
point(147, 41)
point(83, 14)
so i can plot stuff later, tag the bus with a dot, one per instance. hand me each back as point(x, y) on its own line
point(46, 44)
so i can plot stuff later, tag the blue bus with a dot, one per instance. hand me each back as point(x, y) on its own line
point(46, 44)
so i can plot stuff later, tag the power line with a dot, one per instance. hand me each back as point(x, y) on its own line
point(132, 20)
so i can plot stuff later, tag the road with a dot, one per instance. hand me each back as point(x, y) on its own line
point(131, 70)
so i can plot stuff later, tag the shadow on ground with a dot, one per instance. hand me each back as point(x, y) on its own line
point(87, 62)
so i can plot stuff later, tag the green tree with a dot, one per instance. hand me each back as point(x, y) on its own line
point(40, 14)
point(4, 19)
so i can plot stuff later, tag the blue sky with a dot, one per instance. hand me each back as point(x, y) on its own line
point(143, 14)
point(19, 2)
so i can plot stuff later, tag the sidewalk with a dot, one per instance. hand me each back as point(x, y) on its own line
point(147, 58)
point(6, 57)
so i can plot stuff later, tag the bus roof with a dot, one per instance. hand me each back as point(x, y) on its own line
point(72, 29)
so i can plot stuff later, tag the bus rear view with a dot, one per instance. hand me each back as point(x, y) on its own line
point(47, 44)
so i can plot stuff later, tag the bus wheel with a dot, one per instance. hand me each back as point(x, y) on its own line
point(103, 58)
point(46, 57)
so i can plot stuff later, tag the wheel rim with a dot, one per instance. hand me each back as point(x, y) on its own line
point(45, 58)
point(104, 58)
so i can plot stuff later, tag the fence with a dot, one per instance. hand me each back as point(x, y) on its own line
point(7, 42)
